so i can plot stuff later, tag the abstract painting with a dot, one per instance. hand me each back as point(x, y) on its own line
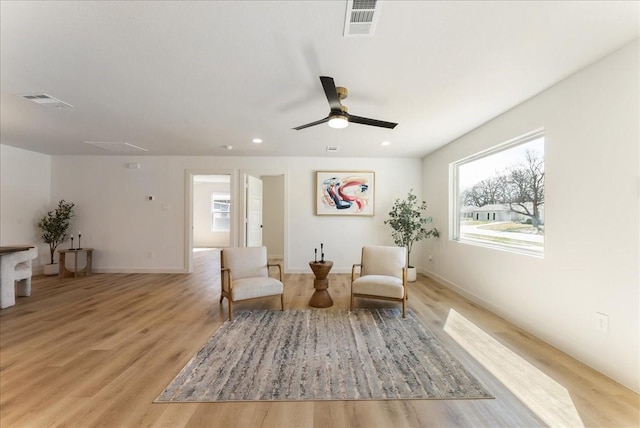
point(345, 193)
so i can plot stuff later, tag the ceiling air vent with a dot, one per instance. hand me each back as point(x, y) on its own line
point(361, 17)
point(46, 100)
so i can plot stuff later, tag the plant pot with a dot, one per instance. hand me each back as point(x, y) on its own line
point(51, 269)
point(411, 274)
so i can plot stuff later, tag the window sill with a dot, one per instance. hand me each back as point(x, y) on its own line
point(533, 251)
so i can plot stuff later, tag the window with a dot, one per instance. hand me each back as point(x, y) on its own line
point(498, 196)
point(220, 212)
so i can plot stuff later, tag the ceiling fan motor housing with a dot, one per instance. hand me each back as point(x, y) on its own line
point(342, 92)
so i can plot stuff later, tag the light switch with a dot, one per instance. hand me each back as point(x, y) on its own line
point(602, 322)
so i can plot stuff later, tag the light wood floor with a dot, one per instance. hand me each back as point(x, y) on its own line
point(97, 351)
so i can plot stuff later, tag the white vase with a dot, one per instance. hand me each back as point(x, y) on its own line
point(51, 269)
point(411, 274)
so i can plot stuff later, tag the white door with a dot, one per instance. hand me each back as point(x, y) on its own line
point(254, 212)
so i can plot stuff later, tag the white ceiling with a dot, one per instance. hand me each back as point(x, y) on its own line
point(187, 78)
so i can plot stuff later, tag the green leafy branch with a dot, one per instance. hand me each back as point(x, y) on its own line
point(408, 223)
point(56, 224)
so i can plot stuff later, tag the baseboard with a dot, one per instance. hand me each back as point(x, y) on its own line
point(308, 270)
point(470, 296)
point(140, 270)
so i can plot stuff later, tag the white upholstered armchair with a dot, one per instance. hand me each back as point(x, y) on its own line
point(245, 275)
point(383, 275)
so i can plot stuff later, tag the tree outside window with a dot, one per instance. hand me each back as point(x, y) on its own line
point(499, 196)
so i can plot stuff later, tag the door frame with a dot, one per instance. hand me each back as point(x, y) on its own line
point(188, 214)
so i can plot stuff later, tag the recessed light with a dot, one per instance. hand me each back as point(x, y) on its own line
point(385, 143)
point(257, 140)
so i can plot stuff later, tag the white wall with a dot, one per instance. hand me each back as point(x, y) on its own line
point(25, 187)
point(202, 234)
point(117, 220)
point(592, 246)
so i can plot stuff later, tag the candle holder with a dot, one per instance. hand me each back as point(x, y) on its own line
point(315, 255)
point(71, 242)
point(79, 238)
point(322, 252)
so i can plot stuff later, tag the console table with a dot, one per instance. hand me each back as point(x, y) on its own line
point(321, 297)
point(65, 273)
point(15, 266)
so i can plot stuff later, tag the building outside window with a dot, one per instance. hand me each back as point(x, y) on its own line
point(498, 196)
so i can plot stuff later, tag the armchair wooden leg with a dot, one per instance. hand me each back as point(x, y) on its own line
point(221, 297)
point(230, 310)
point(282, 302)
point(404, 307)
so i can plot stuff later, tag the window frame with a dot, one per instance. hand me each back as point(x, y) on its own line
point(454, 195)
point(216, 198)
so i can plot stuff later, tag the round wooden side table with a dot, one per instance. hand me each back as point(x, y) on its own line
point(321, 297)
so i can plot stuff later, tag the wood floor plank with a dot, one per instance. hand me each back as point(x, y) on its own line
point(96, 351)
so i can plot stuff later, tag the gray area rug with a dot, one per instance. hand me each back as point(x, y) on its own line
point(322, 355)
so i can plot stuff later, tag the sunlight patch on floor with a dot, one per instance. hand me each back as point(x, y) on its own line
point(545, 397)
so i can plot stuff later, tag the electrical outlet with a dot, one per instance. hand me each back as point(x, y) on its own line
point(430, 258)
point(602, 322)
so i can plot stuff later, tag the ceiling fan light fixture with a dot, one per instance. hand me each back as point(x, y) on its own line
point(338, 122)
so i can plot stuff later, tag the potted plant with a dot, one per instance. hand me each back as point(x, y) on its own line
point(409, 226)
point(54, 228)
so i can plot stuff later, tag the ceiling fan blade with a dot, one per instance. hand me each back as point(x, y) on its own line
point(317, 122)
point(331, 92)
point(371, 122)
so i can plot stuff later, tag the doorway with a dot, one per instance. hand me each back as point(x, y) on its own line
point(272, 217)
point(209, 211)
point(274, 208)
point(212, 211)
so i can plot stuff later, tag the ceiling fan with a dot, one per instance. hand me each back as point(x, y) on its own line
point(338, 116)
